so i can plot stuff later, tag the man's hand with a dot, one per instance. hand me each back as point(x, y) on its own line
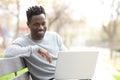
point(45, 54)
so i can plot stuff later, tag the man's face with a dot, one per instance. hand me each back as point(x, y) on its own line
point(37, 26)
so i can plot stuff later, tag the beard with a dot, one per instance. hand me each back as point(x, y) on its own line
point(38, 35)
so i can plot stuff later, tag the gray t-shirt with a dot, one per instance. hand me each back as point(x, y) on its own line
point(38, 66)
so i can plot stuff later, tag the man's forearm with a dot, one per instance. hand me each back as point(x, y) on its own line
point(16, 50)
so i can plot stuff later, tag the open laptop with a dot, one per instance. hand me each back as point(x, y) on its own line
point(76, 65)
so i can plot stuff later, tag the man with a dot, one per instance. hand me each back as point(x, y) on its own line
point(39, 48)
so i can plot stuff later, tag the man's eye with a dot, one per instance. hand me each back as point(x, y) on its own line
point(43, 23)
point(36, 24)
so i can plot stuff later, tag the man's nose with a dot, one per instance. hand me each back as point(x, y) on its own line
point(41, 27)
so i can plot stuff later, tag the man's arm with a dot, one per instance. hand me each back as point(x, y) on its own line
point(16, 50)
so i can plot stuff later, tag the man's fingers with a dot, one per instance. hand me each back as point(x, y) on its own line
point(49, 58)
point(46, 55)
point(42, 54)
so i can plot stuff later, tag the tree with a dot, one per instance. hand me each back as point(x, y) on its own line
point(18, 11)
point(7, 14)
point(59, 16)
point(111, 28)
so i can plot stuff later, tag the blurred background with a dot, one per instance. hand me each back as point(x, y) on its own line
point(83, 25)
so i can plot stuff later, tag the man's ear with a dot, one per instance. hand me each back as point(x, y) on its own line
point(28, 24)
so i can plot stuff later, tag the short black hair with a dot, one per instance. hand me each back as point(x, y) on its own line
point(34, 10)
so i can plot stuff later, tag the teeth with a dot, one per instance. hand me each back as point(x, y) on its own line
point(40, 31)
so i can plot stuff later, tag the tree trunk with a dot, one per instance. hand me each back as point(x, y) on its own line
point(111, 46)
point(17, 29)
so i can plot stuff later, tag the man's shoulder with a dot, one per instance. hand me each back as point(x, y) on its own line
point(51, 33)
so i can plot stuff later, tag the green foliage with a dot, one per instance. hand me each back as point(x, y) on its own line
point(118, 70)
point(1, 56)
point(116, 77)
